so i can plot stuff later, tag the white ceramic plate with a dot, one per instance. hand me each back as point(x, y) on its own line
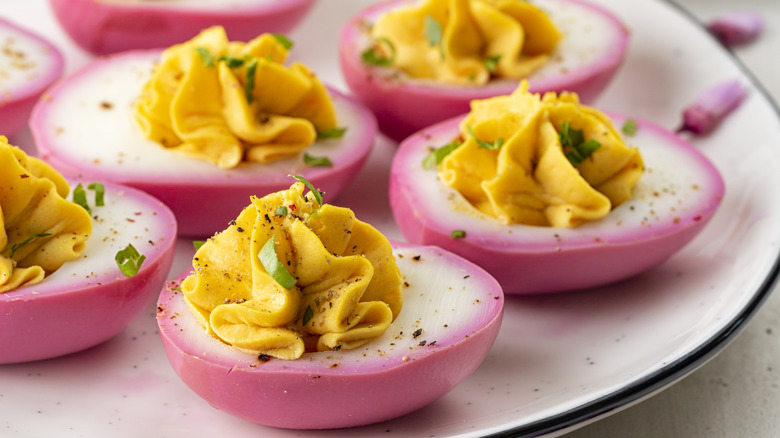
point(560, 360)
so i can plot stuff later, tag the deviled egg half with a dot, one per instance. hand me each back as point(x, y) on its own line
point(481, 49)
point(665, 197)
point(120, 252)
point(109, 26)
point(28, 65)
point(298, 315)
point(88, 125)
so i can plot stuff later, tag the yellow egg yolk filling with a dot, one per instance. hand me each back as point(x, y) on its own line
point(466, 42)
point(346, 289)
point(229, 102)
point(39, 229)
point(514, 163)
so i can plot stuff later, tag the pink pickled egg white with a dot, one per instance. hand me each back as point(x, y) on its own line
point(28, 65)
point(85, 126)
point(87, 301)
point(450, 318)
point(105, 26)
point(590, 53)
point(673, 201)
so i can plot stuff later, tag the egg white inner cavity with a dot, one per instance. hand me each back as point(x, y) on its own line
point(22, 60)
point(92, 122)
point(587, 36)
point(443, 303)
point(123, 220)
point(670, 187)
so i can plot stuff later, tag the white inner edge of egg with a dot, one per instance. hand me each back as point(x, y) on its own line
point(443, 301)
point(673, 184)
point(587, 36)
point(92, 123)
point(22, 60)
point(123, 220)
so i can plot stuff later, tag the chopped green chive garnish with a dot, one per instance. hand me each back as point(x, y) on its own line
point(434, 33)
point(198, 243)
point(273, 266)
point(315, 192)
point(129, 260)
point(284, 41)
point(437, 155)
point(249, 88)
point(491, 63)
point(281, 211)
point(100, 193)
point(484, 144)
point(331, 133)
point(630, 127)
point(373, 56)
point(25, 242)
point(458, 234)
point(575, 147)
point(316, 161)
point(80, 197)
point(308, 314)
point(232, 61)
point(205, 55)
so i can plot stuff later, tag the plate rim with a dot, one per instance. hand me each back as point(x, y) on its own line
point(675, 370)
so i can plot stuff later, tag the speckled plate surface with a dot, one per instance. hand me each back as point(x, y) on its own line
point(560, 360)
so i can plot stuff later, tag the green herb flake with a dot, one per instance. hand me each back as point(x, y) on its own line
point(433, 31)
point(249, 87)
point(198, 243)
point(458, 234)
point(484, 144)
point(332, 133)
point(315, 192)
point(437, 155)
point(25, 242)
point(575, 147)
point(630, 127)
point(284, 41)
point(273, 266)
point(281, 211)
point(129, 260)
point(316, 161)
point(80, 197)
point(232, 61)
point(205, 55)
point(308, 314)
point(491, 63)
point(100, 193)
point(375, 55)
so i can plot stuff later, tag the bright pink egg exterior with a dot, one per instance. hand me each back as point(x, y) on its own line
point(324, 390)
point(203, 201)
point(103, 27)
point(404, 106)
point(72, 313)
point(530, 260)
point(16, 104)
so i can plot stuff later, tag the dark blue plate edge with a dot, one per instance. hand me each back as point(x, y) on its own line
point(673, 371)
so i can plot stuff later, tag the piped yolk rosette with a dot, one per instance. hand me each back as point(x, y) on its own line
point(40, 230)
point(345, 288)
point(549, 161)
point(228, 102)
point(464, 42)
